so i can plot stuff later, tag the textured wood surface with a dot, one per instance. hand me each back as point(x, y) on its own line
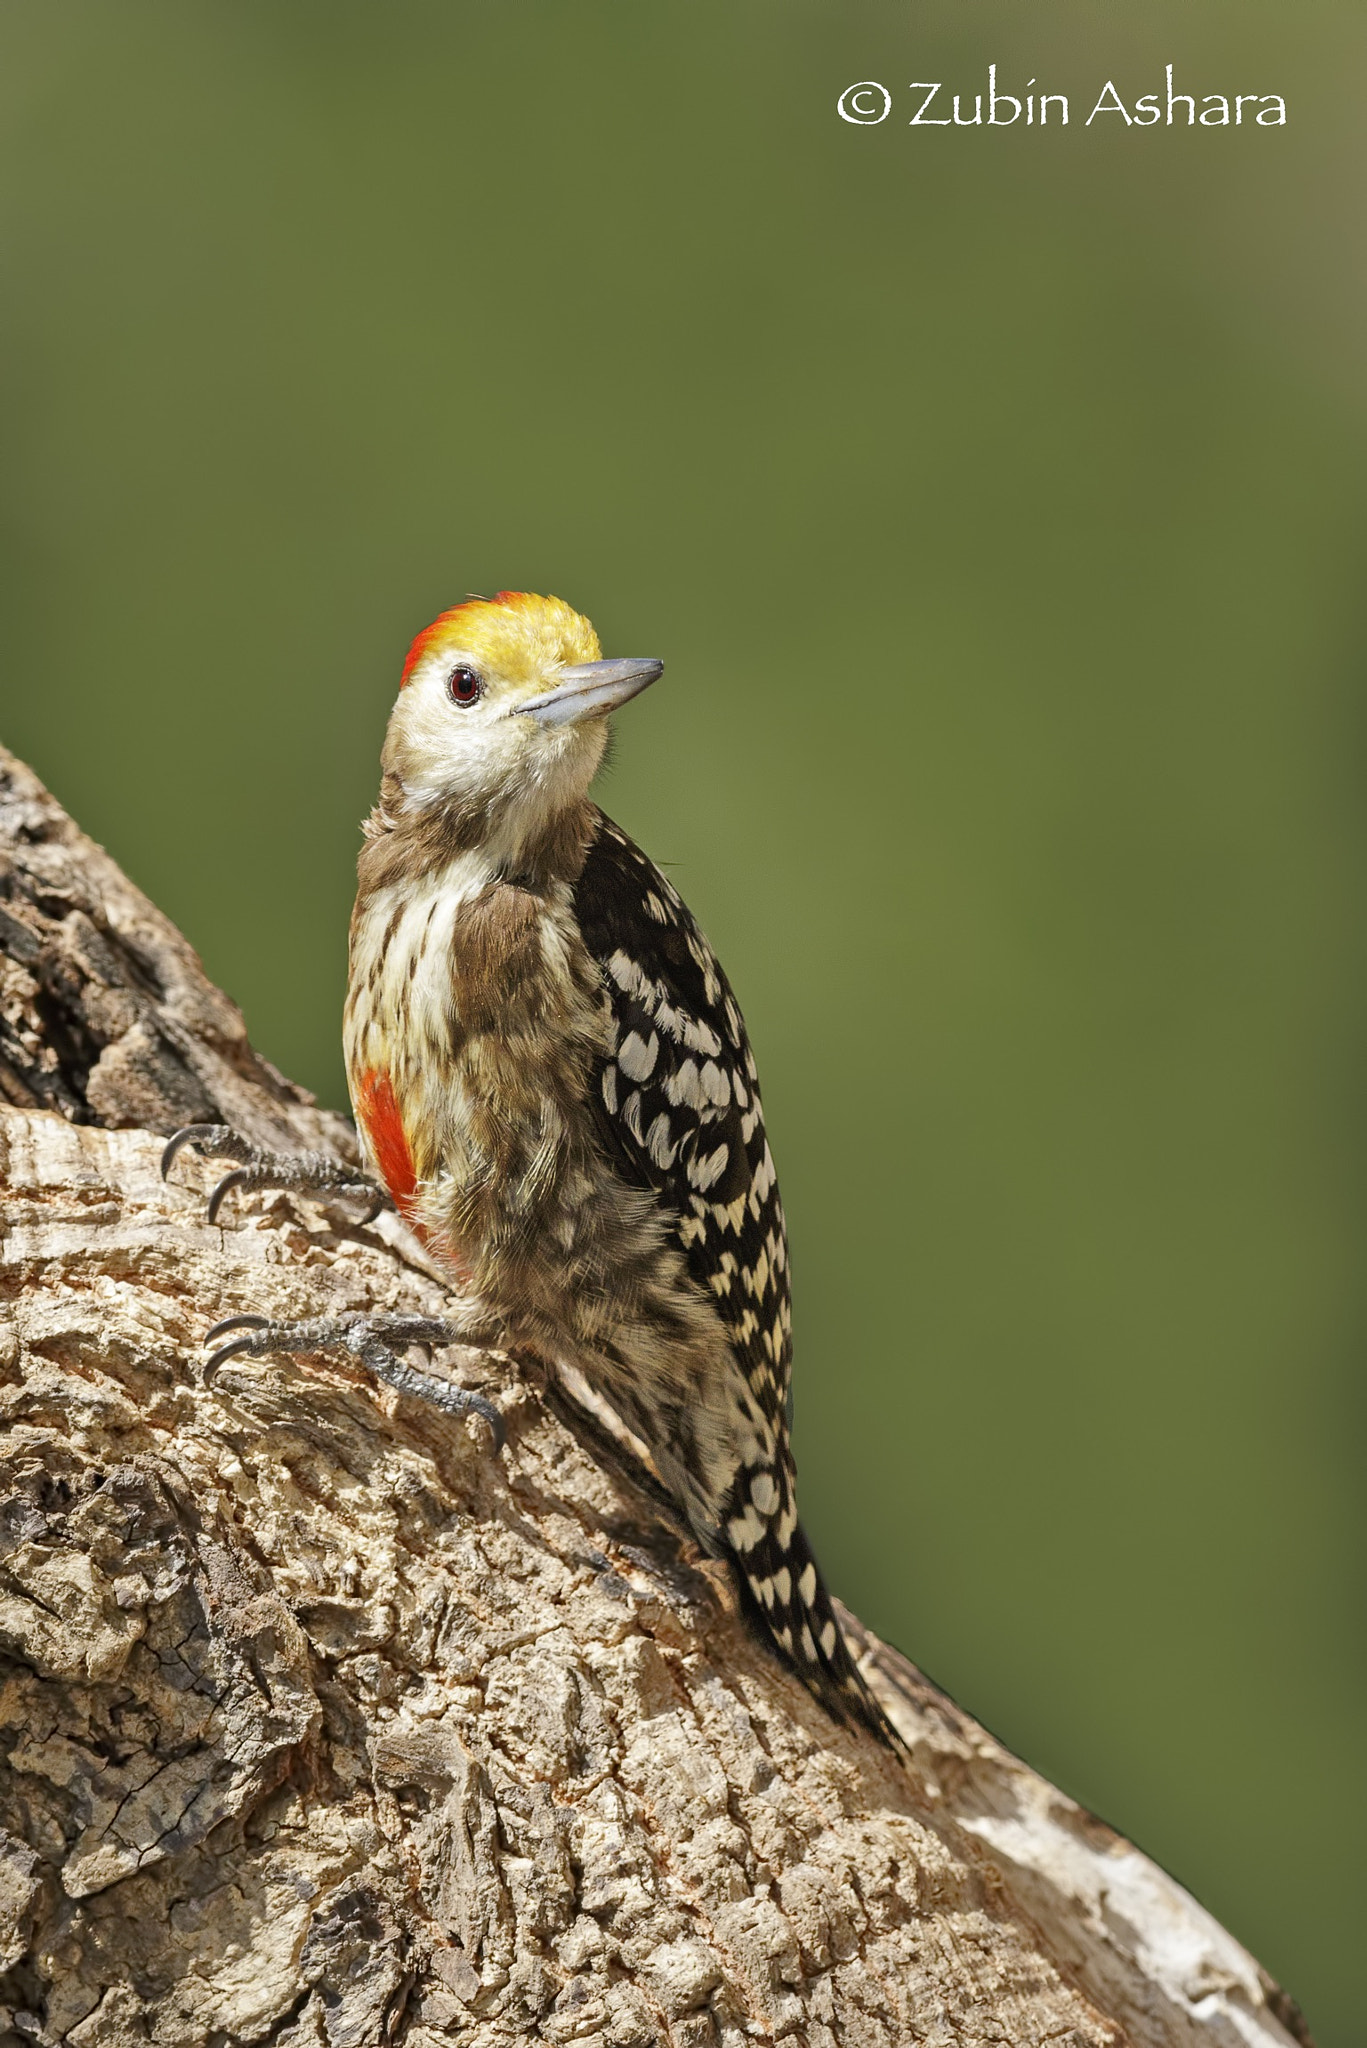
point(322, 1723)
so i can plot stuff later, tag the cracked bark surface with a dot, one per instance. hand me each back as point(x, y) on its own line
point(323, 1726)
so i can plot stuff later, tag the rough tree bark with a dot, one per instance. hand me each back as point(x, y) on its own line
point(323, 1724)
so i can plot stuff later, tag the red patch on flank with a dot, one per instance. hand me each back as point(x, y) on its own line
point(439, 625)
point(378, 1113)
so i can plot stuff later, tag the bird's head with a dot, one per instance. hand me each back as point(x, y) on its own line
point(503, 710)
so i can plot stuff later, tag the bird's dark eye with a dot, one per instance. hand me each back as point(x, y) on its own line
point(465, 686)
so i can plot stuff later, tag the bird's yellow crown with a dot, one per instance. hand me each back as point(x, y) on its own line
point(520, 635)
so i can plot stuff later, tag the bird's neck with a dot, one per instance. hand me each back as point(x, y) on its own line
point(507, 840)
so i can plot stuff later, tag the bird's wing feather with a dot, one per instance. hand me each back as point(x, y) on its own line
point(678, 1109)
point(677, 1100)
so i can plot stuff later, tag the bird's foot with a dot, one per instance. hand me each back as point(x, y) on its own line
point(370, 1339)
point(299, 1173)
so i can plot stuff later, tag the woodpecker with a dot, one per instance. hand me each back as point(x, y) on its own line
point(552, 1079)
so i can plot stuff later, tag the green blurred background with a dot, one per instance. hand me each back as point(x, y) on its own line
point(995, 499)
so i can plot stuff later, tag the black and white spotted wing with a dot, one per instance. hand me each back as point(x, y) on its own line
point(679, 1108)
point(679, 1102)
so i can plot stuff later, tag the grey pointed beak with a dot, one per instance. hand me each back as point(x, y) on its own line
point(590, 690)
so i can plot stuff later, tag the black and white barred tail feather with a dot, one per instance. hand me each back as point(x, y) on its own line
point(679, 1111)
point(786, 1594)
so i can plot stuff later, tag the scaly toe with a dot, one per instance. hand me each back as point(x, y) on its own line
point(369, 1340)
point(217, 1139)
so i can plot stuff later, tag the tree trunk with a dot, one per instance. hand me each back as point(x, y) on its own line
point(322, 1723)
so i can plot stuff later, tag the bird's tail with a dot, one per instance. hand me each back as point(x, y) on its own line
point(787, 1598)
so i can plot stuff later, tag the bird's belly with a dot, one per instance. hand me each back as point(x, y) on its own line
point(471, 1028)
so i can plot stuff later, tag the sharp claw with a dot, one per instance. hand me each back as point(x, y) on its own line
point(221, 1357)
point(189, 1135)
point(478, 1404)
point(236, 1323)
point(237, 1179)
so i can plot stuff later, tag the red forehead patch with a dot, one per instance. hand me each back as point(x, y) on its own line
point(505, 598)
